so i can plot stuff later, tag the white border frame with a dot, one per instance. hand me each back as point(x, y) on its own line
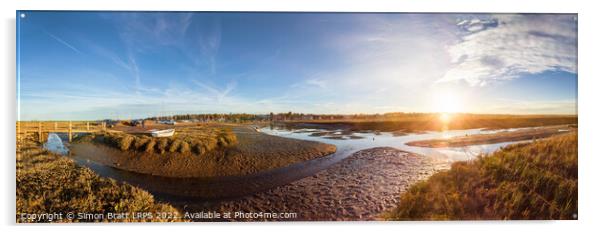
point(588, 102)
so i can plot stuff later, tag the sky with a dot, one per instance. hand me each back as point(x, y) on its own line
point(96, 65)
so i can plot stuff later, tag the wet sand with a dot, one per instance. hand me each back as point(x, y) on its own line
point(361, 187)
point(503, 136)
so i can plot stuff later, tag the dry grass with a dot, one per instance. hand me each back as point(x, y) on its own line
point(416, 122)
point(49, 183)
point(535, 180)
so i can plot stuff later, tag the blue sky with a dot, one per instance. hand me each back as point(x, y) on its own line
point(94, 65)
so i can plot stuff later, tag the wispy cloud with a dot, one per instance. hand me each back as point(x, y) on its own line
point(133, 67)
point(317, 82)
point(382, 64)
point(199, 39)
point(219, 94)
point(107, 54)
point(148, 30)
point(59, 40)
point(209, 42)
point(129, 64)
point(311, 83)
point(502, 47)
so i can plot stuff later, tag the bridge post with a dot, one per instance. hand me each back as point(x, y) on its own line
point(70, 131)
point(56, 126)
point(40, 132)
point(88, 126)
point(18, 131)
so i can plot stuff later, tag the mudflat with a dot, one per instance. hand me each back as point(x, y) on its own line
point(361, 187)
point(254, 152)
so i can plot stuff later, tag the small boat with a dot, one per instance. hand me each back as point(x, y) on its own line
point(162, 133)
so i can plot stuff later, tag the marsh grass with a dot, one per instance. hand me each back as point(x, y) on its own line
point(535, 180)
point(417, 122)
point(49, 183)
point(191, 140)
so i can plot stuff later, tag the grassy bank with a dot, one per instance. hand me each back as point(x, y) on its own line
point(525, 181)
point(254, 152)
point(197, 140)
point(49, 183)
point(432, 122)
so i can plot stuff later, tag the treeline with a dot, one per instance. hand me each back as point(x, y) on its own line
point(284, 116)
point(234, 118)
point(302, 117)
point(291, 116)
point(401, 116)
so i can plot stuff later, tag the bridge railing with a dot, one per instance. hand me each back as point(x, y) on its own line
point(42, 128)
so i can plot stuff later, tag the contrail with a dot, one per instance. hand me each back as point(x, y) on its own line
point(64, 42)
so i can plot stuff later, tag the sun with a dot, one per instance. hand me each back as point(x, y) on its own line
point(445, 117)
point(447, 102)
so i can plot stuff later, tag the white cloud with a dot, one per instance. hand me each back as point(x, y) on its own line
point(503, 47)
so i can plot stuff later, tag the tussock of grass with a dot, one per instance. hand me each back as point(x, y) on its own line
point(184, 147)
point(139, 142)
point(48, 183)
point(162, 145)
point(196, 140)
point(125, 142)
point(535, 180)
point(174, 145)
point(150, 146)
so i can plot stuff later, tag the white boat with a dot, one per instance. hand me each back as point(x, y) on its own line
point(162, 133)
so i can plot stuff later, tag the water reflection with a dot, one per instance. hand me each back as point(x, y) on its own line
point(357, 141)
point(55, 144)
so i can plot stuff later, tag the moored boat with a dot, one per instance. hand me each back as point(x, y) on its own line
point(162, 133)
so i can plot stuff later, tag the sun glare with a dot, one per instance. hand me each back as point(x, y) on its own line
point(445, 117)
point(447, 102)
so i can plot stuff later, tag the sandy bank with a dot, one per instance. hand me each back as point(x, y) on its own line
point(503, 136)
point(254, 152)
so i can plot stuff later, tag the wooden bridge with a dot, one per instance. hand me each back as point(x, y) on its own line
point(43, 128)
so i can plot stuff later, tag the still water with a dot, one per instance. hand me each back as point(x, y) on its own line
point(360, 141)
point(55, 144)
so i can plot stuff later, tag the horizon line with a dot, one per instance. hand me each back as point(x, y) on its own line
point(322, 114)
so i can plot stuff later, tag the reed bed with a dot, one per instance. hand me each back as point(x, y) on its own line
point(190, 140)
point(535, 180)
point(50, 183)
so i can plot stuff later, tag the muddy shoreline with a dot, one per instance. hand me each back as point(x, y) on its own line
point(360, 187)
point(504, 136)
